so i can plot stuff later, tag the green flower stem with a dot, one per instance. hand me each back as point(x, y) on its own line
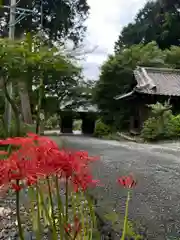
point(92, 211)
point(60, 209)
point(67, 205)
point(82, 212)
point(67, 200)
point(93, 216)
point(51, 202)
point(126, 217)
point(18, 214)
point(38, 232)
point(54, 236)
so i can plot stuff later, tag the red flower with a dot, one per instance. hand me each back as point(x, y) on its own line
point(68, 228)
point(16, 187)
point(127, 181)
point(77, 225)
point(75, 229)
point(39, 157)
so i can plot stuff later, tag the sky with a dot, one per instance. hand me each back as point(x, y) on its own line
point(104, 25)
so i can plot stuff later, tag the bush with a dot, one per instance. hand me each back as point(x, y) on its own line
point(52, 122)
point(101, 129)
point(77, 125)
point(163, 125)
point(151, 129)
point(176, 125)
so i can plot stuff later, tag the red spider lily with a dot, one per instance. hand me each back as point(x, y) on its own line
point(39, 157)
point(77, 226)
point(127, 181)
point(75, 229)
point(16, 187)
point(68, 228)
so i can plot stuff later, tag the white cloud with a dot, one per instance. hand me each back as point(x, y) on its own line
point(104, 25)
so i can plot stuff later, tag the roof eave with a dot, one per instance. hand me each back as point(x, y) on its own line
point(119, 97)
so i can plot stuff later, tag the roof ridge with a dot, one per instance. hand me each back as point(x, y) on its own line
point(150, 81)
point(159, 69)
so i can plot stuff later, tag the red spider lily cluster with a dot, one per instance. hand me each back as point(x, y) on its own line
point(127, 181)
point(37, 157)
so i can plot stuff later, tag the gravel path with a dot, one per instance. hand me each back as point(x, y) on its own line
point(156, 200)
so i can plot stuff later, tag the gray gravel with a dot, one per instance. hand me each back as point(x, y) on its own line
point(156, 199)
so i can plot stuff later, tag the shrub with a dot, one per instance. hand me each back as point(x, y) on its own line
point(176, 125)
point(101, 129)
point(77, 125)
point(163, 125)
point(151, 130)
point(51, 122)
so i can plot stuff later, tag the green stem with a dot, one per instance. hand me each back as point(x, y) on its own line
point(126, 217)
point(54, 237)
point(67, 200)
point(91, 205)
point(51, 202)
point(18, 214)
point(81, 212)
point(60, 210)
point(38, 232)
point(92, 216)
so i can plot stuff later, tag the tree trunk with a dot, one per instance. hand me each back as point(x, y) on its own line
point(1, 83)
point(14, 108)
point(25, 102)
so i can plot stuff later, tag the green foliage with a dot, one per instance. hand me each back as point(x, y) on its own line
point(156, 21)
point(173, 57)
point(162, 124)
point(151, 129)
point(18, 61)
point(25, 128)
point(101, 129)
point(52, 122)
point(117, 78)
point(16, 58)
point(66, 17)
point(77, 125)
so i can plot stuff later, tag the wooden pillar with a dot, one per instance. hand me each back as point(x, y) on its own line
point(88, 124)
point(66, 123)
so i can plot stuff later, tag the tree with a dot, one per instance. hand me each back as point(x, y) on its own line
point(16, 59)
point(154, 22)
point(62, 86)
point(62, 19)
point(173, 57)
point(116, 78)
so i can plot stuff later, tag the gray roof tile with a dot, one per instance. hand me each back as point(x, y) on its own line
point(160, 81)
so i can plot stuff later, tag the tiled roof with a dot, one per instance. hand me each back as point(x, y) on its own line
point(160, 81)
